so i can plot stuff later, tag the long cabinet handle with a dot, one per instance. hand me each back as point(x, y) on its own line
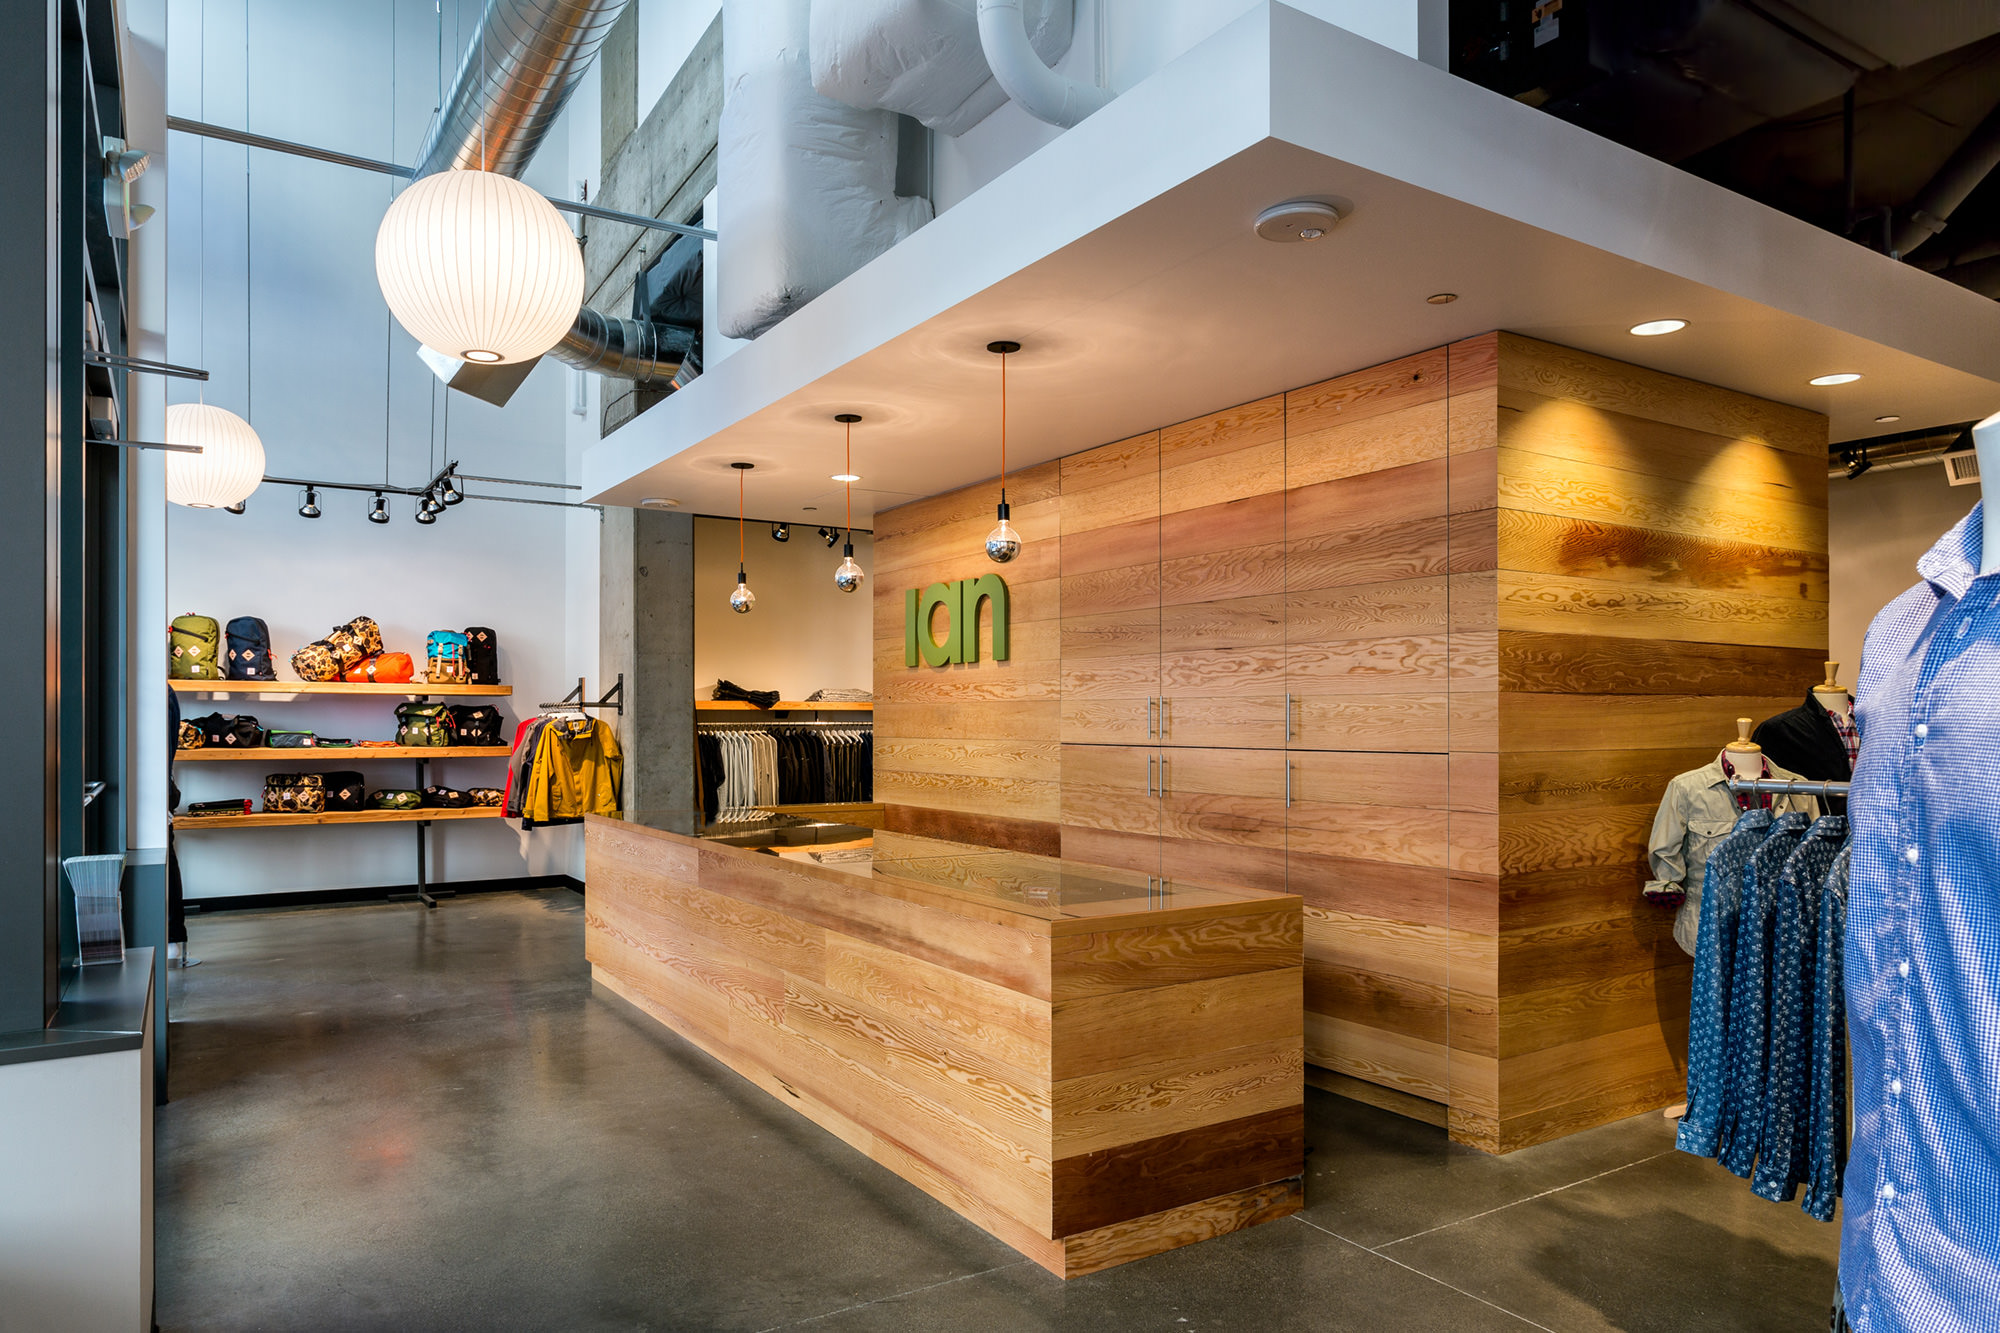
point(1164, 760)
point(1288, 784)
point(1288, 717)
point(1151, 759)
point(1149, 717)
point(1166, 716)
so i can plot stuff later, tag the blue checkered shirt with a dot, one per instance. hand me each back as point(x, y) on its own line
point(1784, 1162)
point(1920, 1245)
point(1827, 1114)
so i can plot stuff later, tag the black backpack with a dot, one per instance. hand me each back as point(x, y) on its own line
point(345, 791)
point(249, 650)
point(482, 657)
point(476, 724)
point(219, 730)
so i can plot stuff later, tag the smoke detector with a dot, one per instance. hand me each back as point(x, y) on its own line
point(1299, 220)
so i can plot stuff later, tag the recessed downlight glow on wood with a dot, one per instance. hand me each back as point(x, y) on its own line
point(846, 477)
point(1653, 328)
point(1885, 420)
point(1828, 381)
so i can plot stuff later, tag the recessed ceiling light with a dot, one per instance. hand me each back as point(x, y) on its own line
point(1827, 381)
point(1885, 420)
point(1442, 298)
point(1653, 328)
point(846, 476)
point(659, 502)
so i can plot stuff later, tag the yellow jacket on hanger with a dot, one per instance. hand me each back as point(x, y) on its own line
point(577, 771)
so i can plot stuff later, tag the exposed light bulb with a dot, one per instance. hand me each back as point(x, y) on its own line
point(849, 577)
point(380, 513)
point(452, 495)
point(742, 599)
point(1003, 543)
point(425, 516)
point(310, 509)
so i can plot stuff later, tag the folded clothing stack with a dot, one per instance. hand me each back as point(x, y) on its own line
point(841, 697)
point(726, 691)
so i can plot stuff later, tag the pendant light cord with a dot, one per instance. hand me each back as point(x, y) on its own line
point(1003, 427)
point(739, 524)
point(848, 486)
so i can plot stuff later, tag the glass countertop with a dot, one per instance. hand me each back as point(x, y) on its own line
point(1043, 886)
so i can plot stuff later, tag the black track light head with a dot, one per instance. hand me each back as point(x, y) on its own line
point(310, 509)
point(425, 516)
point(831, 536)
point(379, 513)
point(1857, 462)
point(452, 495)
point(238, 507)
point(781, 532)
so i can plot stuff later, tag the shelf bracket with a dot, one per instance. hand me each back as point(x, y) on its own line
point(614, 698)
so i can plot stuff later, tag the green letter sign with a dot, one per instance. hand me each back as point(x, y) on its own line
point(961, 602)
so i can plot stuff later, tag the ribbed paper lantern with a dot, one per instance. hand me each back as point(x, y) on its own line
point(480, 267)
point(229, 466)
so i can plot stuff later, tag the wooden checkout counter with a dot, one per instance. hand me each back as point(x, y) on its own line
point(1091, 1064)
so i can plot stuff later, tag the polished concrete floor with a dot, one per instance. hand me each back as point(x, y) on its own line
point(386, 1118)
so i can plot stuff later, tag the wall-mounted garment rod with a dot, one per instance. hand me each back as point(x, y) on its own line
point(1786, 787)
point(614, 698)
point(777, 724)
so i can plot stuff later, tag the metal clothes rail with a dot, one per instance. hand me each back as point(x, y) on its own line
point(1786, 787)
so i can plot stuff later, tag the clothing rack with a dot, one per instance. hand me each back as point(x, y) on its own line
point(1786, 787)
point(765, 726)
point(614, 698)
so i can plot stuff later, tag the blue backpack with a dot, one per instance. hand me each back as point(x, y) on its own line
point(447, 658)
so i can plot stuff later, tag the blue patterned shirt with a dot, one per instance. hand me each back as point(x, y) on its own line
point(1714, 954)
point(1827, 1115)
point(1750, 998)
point(1782, 1164)
point(1920, 1244)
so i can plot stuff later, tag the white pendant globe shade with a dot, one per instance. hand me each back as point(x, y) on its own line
point(229, 466)
point(479, 267)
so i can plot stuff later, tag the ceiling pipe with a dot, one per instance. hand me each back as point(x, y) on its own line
point(1041, 92)
point(518, 72)
point(1957, 178)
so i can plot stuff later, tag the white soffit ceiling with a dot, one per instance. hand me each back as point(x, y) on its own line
point(1122, 257)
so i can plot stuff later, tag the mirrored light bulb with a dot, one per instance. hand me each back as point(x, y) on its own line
point(1003, 543)
point(848, 577)
point(742, 599)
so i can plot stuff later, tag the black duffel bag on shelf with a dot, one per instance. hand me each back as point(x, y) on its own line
point(476, 724)
point(445, 798)
point(344, 791)
point(223, 731)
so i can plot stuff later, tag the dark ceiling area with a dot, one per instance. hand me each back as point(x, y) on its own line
point(1876, 119)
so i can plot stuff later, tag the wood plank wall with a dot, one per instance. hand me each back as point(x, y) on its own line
point(1522, 587)
point(1663, 571)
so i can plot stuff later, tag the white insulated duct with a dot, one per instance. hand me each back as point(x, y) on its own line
point(922, 58)
point(805, 186)
point(1041, 92)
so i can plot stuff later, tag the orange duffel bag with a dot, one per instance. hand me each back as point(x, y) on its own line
point(383, 669)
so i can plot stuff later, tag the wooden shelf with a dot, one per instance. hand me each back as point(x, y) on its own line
point(782, 706)
point(183, 822)
point(409, 690)
point(334, 752)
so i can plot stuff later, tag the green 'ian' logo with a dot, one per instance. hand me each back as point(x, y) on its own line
point(961, 601)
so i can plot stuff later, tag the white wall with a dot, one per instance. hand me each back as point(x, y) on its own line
point(336, 391)
point(804, 635)
point(1877, 527)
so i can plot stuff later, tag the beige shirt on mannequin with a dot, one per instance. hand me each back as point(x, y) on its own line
point(1694, 815)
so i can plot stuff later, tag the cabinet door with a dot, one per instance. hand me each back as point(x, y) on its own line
point(1222, 816)
point(1111, 593)
point(1222, 579)
point(1111, 805)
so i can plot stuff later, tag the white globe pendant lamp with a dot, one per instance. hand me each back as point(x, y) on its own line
point(479, 267)
point(229, 466)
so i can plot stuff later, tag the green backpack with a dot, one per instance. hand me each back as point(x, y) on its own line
point(194, 649)
point(423, 724)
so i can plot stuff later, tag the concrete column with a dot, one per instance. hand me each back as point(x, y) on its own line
point(646, 631)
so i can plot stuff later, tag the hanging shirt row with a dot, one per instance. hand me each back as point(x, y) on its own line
point(1767, 1063)
point(742, 767)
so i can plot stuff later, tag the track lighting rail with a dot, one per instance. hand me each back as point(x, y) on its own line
point(249, 140)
